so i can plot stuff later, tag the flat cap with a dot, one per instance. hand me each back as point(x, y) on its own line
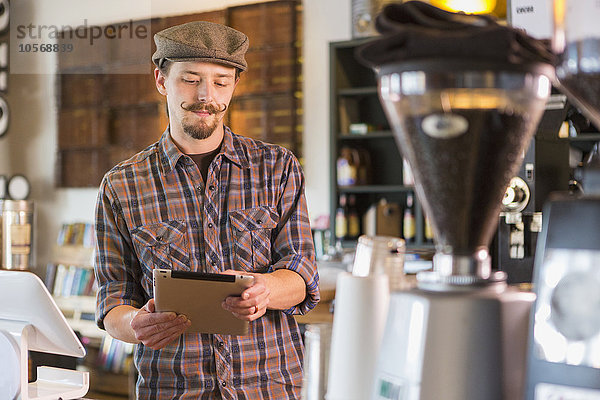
point(201, 41)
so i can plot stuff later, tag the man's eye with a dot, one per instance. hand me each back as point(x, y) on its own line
point(220, 84)
point(189, 81)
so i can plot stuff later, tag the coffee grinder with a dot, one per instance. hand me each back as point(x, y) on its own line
point(464, 96)
point(563, 356)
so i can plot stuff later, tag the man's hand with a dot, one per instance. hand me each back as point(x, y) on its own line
point(157, 329)
point(252, 303)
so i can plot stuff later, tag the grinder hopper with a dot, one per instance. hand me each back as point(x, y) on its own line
point(463, 128)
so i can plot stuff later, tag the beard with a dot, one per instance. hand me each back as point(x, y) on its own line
point(199, 130)
point(202, 130)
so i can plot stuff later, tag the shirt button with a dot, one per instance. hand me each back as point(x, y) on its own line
point(223, 383)
point(259, 221)
point(210, 225)
point(199, 188)
point(211, 187)
point(221, 344)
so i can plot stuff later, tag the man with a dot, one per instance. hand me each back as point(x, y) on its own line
point(205, 199)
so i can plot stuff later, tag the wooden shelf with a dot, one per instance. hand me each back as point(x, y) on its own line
point(367, 136)
point(426, 249)
point(358, 91)
point(375, 189)
point(585, 137)
point(74, 308)
point(79, 256)
point(77, 303)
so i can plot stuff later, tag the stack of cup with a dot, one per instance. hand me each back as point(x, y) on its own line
point(361, 304)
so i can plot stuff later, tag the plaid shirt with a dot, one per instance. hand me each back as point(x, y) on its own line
point(154, 211)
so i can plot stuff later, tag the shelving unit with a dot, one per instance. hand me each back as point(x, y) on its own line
point(584, 142)
point(354, 99)
point(78, 310)
point(74, 293)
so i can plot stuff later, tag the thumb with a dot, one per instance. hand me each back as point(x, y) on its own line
point(149, 306)
point(231, 272)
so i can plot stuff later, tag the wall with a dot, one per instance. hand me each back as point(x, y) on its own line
point(29, 147)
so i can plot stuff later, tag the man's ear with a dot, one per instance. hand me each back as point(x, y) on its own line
point(235, 83)
point(159, 79)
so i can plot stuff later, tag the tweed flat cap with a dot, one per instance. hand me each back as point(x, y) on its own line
point(201, 41)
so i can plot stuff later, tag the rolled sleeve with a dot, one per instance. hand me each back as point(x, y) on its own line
point(293, 242)
point(115, 265)
point(305, 269)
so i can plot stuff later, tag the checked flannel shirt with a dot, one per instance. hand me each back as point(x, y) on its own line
point(155, 211)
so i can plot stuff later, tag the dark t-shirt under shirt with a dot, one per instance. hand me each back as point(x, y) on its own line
point(203, 161)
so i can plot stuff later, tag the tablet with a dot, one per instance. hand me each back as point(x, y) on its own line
point(199, 296)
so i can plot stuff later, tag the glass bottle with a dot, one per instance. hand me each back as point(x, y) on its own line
point(347, 167)
point(408, 224)
point(341, 219)
point(427, 230)
point(352, 218)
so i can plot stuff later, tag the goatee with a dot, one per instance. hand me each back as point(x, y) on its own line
point(202, 130)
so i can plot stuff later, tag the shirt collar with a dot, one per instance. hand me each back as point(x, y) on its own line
point(231, 148)
point(169, 150)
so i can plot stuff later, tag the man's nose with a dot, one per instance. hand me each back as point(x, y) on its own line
point(203, 92)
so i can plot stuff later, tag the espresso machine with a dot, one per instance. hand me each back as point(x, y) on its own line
point(545, 169)
point(464, 96)
point(563, 352)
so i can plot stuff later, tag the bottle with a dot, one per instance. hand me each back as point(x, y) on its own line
point(364, 167)
point(353, 220)
point(408, 223)
point(427, 231)
point(341, 219)
point(347, 167)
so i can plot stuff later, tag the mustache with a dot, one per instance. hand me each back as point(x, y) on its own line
point(201, 106)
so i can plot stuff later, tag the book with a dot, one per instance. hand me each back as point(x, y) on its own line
point(68, 281)
point(59, 279)
point(50, 277)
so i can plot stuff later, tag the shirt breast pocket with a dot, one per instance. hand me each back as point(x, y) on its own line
point(251, 231)
point(162, 245)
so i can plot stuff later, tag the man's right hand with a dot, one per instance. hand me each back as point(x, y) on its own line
point(157, 329)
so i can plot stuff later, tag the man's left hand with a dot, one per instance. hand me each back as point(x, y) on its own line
point(252, 303)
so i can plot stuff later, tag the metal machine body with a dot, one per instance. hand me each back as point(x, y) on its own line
point(563, 353)
point(432, 350)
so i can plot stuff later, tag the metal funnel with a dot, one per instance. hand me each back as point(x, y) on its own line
point(463, 128)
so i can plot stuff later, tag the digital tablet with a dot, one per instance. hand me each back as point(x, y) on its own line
point(199, 296)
